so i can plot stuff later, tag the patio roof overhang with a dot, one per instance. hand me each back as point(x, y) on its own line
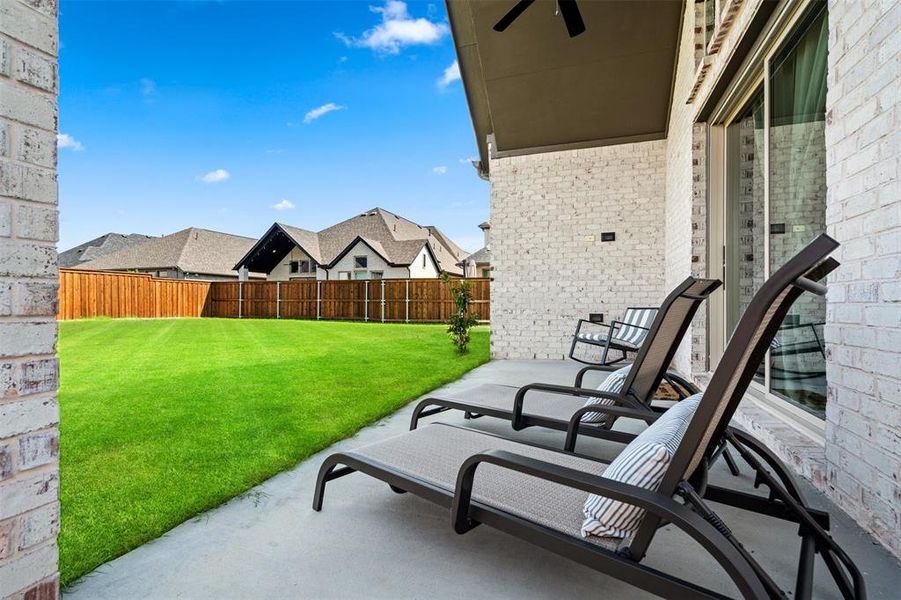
point(535, 89)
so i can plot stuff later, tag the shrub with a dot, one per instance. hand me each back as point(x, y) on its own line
point(462, 320)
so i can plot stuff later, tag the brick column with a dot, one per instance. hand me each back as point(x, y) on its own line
point(863, 211)
point(29, 439)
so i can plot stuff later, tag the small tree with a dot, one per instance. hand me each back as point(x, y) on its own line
point(462, 320)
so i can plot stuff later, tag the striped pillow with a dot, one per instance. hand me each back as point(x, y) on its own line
point(642, 463)
point(613, 384)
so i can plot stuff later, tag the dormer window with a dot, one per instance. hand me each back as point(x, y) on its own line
point(294, 266)
point(361, 262)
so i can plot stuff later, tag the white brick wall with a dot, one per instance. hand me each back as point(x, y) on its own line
point(29, 439)
point(863, 211)
point(547, 271)
point(678, 206)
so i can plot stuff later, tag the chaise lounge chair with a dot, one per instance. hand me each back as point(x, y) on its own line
point(622, 336)
point(586, 411)
point(536, 493)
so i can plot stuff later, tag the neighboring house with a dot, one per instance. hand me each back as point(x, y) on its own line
point(478, 264)
point(376, 244)
point(191, 253)
point(716, 143)
point(105, 244)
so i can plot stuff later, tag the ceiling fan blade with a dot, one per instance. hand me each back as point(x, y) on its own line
point(511, 16)
point(572, 17)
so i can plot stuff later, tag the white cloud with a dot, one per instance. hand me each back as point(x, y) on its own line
point(148, 87)
point(283, 204)
point(320, 111)
point(64, 140)
point(440, 170)
point(469, 160)
point(397, 30)
point(216, 176)
point(451, 74)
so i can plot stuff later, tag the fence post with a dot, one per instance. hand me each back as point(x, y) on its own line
point(365, 300)
point(383, 300)
point(318, 300)
point(278, 300)
point(240, 299)
point(407, 302)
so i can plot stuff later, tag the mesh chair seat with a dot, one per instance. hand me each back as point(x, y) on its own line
point(434, 454)
point(498, 397)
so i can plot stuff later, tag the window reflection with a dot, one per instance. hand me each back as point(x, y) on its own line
point(745, 237)
point(797, 205)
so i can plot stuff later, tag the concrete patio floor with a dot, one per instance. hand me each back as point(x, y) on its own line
point(371, 543)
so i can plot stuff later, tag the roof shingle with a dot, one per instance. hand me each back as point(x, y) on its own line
point(191, 250)
point(398, 239)
point(101, 246)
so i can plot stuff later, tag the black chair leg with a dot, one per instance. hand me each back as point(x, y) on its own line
point(730, 462)
point(804, 583)
point(606, 350)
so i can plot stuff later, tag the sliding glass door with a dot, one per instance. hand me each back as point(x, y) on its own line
point(774, 202)
point(797, 204)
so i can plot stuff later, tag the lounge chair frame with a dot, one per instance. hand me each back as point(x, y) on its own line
point(686, 476)
point(629, 403)
point(467, 514)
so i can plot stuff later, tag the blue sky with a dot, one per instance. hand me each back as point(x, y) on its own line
point(233, 115)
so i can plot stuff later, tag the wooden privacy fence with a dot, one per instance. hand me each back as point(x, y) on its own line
point(385, 300)
point(86, 294)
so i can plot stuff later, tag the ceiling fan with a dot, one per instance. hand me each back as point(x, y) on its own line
point(566, 8)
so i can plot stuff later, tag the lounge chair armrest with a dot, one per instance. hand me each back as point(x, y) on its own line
point(602, 324)
point(621, 325)
point(563, 390)
point(727, 555)
point(675, 379)
point(572, 430)
point(584, 370)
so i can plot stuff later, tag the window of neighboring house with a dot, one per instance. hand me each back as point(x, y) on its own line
point(423, 260)
point(313, 268)
point(361, 262)
point(304, 266)
point(486, 272)
point(376, 275)
point(293, 265)
point(344, 275)
point(361, 275)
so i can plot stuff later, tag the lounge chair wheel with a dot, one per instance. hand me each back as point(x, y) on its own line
point(397, 490)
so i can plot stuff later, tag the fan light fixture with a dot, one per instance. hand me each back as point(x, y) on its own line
point(566, 8)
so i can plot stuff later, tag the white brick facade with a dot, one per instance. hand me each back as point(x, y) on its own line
point(863, 332)
point(551, 268)
point(29, 439)
point(678, 185)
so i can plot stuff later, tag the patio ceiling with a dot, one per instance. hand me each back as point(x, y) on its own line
point(536, 89)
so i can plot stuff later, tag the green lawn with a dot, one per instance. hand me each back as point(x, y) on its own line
point(163, 419)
